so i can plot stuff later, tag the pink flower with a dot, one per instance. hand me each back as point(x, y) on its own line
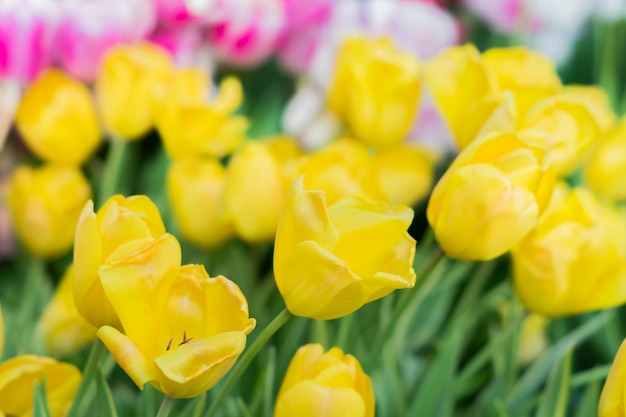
point(504, 15)
point(177, 12)
point(26, 35)
point(246, 32)
point(186, 44)
point(303, 31)
point(89, 27)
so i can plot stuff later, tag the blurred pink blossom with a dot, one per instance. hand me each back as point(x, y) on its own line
point(27, 29)
point(305, 26)
point(89, 27)
point(246, 32)
point(503, 15)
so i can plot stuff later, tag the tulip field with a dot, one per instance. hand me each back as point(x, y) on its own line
point(313, 208)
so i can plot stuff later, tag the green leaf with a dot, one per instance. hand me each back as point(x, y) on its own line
point(40, 406)
point(534, 376)
point(433, 397)
point(553, 401)
point(105, 406)
point(588, 404)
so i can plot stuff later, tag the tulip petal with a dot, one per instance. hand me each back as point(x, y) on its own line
point(128, 356)
point(320, 285)
point(612, 397)
point(226, 307)
point(310, 399)
point(136, 281)
point(379, 225)
point(301, 364)
point(304, 217)
point(195, 367)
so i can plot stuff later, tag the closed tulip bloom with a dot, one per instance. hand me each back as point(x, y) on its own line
point(404, 174)
point(490, 197)
point(528, 75)
point(120, 221)
point(195, 188)
point(128, 81)
point(339, 170)
point(321, 267)
point(595, 100)
point(612, 401)
point(63, 329)
point(194, 127)
point(605, 171)
point(45, 205)
point(375, 90)
point(325, 384)
point(574, 260)
point(568, 128)
point(254, 192)
point(18, 376)
point(183, 331)
point(464, 90)
point(57, 119)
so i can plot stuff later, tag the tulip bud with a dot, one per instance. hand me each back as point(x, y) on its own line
point(195, 188)
point(375, 91)
point(490, 197)
point(463, 89)
point(128, 81)
point(339, 170)
point(63, 329)
point(324, 385)
point(612, 401)
point(321, 267)
point(574, 260)
point(19, 376)
point(254, 192)
point(606, 169)
point(403, 173)
point(120, 225)
point(45, 205)
point(528, 75)
point(193, 127)
point(57, 119)
point(568, 130)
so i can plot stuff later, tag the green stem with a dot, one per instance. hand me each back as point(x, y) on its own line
point(246, 359)
point(89, 376)
point(112, 174)
point(166, 406)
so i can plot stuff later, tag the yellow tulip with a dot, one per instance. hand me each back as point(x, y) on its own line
point(490, 197)
point(321, 266)
point(330, 384)
point(574, 260)
point(98, 236)
point(403, 173)
point(183, 331)
point(596, 101)
point(254, 191)
point(129, 80)
point(57, 119)
point(568, 128)
point(195, 189)
point(605, 171)
point(528, 75)
point(339, 170)
point(45, 205)
point(190, 127)
point(375, 90)
point(18, 376)
point(464, 90)
point(63, 329)
point(612, 400)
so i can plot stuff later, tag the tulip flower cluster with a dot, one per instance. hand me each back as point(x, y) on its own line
point(134, 171)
